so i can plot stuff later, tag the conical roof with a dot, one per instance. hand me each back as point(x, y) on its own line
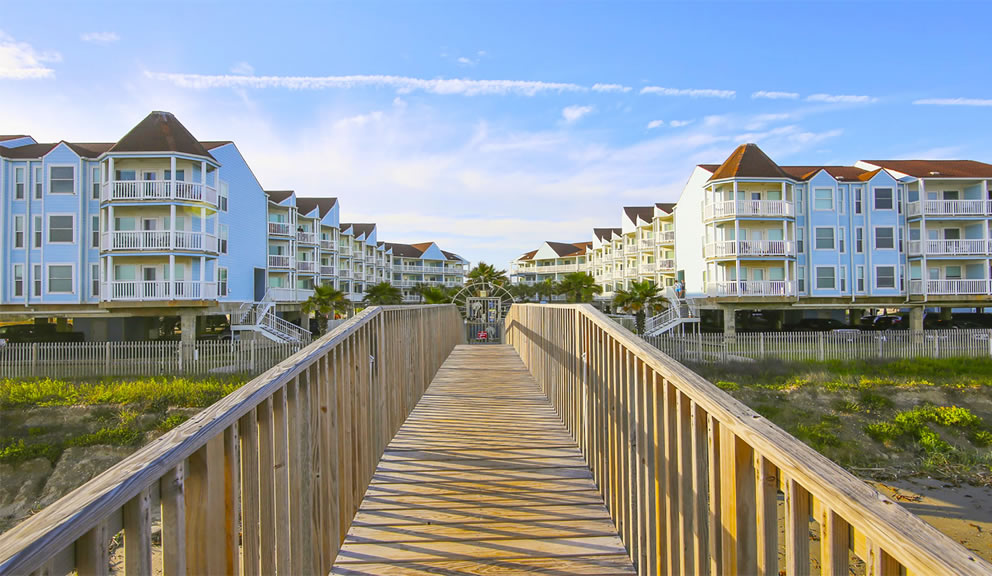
point(748, 161)
point(160, 132)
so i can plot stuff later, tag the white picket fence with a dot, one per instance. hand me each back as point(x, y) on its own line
point(820, 346)
point(101, 359)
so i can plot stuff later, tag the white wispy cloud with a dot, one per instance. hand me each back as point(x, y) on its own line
point(655, 124)
point(841, 99)
point(402, 84)
point(775, 95)
point(20, 61)
point(243, 69)
point(102, 38)
point(466, 61)
point(954, 101)
point(573, 113)
point(610, 88)
point(691, 92)
point(679, 123)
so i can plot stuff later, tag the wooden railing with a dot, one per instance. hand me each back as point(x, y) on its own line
point(284, 461)
point(691, 476)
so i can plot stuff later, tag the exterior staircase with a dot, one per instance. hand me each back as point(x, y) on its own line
point(261, 317)
point(680, 311)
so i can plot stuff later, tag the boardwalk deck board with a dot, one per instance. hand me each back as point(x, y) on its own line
point(482, 478)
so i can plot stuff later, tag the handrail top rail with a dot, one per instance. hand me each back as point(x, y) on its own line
point(28, 544)
point(920, 545)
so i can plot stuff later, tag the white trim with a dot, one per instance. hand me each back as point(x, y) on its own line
point(75, 176)
point(95, 280)
point(40, 281)
point(895, 278)
point(816, 277)
point(13, 281)
point(874, 238)
point(874, 198)
point(37, 232)
point(833, 244)
point(24, 232)
point(24, 182)
point(94, 230)
point(35, 181)
point(95, 182)
point(48, 277)
point(833, 201)
point(48, 228)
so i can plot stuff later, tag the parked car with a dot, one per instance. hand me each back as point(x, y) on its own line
point(889, 322)
point(20, 333)
point(817, 325)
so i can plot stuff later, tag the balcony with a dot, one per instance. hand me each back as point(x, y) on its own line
point(344, 250)
point(149, 290)
point(950, 247)
point(749, 209)
point(646, 244)
point(305, 266)
point(306, 237)
point(751, 288)
point(279, 228)
point(279, 261)
point(157, 240)
point(646, 267)
point(290, 294)
point(666, 265)
point(750, 248)
point(630, 272)
point(951, 287)
point(950, 208)
point(344, 273)
point(159, 190)
point(327, 270)
point(559, 269)
point(666, 237)
point(328, 246)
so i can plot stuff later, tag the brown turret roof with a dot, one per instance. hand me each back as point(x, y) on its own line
point(160, 132)
point(748, 161)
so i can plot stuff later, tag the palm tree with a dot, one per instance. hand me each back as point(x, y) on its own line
point(326, 299)
point(418, 290)
point(521, 292)
point(579, 287)
point(640, 298)
point(435, 295)
point(382, 294)
point(488, 273)
point(545, 288)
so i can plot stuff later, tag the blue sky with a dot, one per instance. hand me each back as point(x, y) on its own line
point(489, 127)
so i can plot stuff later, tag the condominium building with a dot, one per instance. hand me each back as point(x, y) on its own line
point(158, 224)
point(424, 264)
point(551, 262)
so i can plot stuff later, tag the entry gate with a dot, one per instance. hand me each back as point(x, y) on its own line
point(484, 306)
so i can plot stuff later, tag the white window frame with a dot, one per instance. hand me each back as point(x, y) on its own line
point(18, 244)
point(859, 281)
point(72, 277)
point(36, 280)
point(816, 201)
point(95, 280)
point(842, 240)
point(20, 182)
point(833, 238)
point(840, 201)
point(95, 184)
point(223, 197)
point(842, 275)
point(17, 281)
point(37, 231)
point(801, 279)
point(75, 177)
point(800, 240)
point(222, 286)
point(858, 201)
point(48, 228)
point(875, 237)
point(95, 232)
point(874, 199)
point(39, 182)
point(816, 271)
point(223, 234)
point(859, 240)
point(894, 279)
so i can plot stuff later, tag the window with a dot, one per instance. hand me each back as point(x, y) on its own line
point(826, 277)
point(823, 199)
point(843, 278)
point(801, 239)
point(883, 198)
point(60, 229)
point(861, 278)
point(859, 240)
point(885, 276)
point(95, 232)
point(61, 180)
point(222, 281)
point(824, 239)
point(180, 175)
point(18, 231)
point(842, 240)
point(222, 197)
point(60, 278)
point(18, 280)
point(899, 199)
point(857, 201)
point(900, 240)
point(95, 280)
point(799, 201)
point(222, 239)
point(801, 280)
point(18, 183)
point(884, 239)
point(36, 280)
point(37, 231)
point(39, 184)
point(840, 202)
point(96, 183)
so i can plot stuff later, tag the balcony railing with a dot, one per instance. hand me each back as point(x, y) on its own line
point(328, 245)
point(159, 190)
point(950, 208)
point(950, 247)
point(951, 287)
point(344, 250)
point(732, 248)
point(751, 288)
point(304, 265)
point(749, 208)
point(290, 294)
point(646, 267)
point(132, 240)
point(327, 270)
point(143, 290)
point(280, 228)
point(279, 261)
point(646, 243)
point(667, 264)
point(344, 273)
point(306, 237)
point(666, 237)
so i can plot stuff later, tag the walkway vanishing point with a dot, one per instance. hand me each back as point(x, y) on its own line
point(389, 447)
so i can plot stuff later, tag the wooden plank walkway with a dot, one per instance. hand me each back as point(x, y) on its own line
point(482, 479)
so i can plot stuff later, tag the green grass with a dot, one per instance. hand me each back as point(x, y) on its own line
point(146, 393)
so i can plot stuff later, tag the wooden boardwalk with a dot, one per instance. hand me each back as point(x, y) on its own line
point(482, 478)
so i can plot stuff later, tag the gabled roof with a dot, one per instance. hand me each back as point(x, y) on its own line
point(565, 249)
point(90, 149)
point(278, 196)
point(27, 151)
point(937, 168)
point(709, 167)
point(404, 250)
point(528, 255)
point(307, 205)
point(606, 233)
point(211, 144)
point(840, 173)
point(5, 137)
point(748, 161)
point(357, 229)
point(645, 213)
point(665, 207)
point(160, 132)
point(452, 256)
